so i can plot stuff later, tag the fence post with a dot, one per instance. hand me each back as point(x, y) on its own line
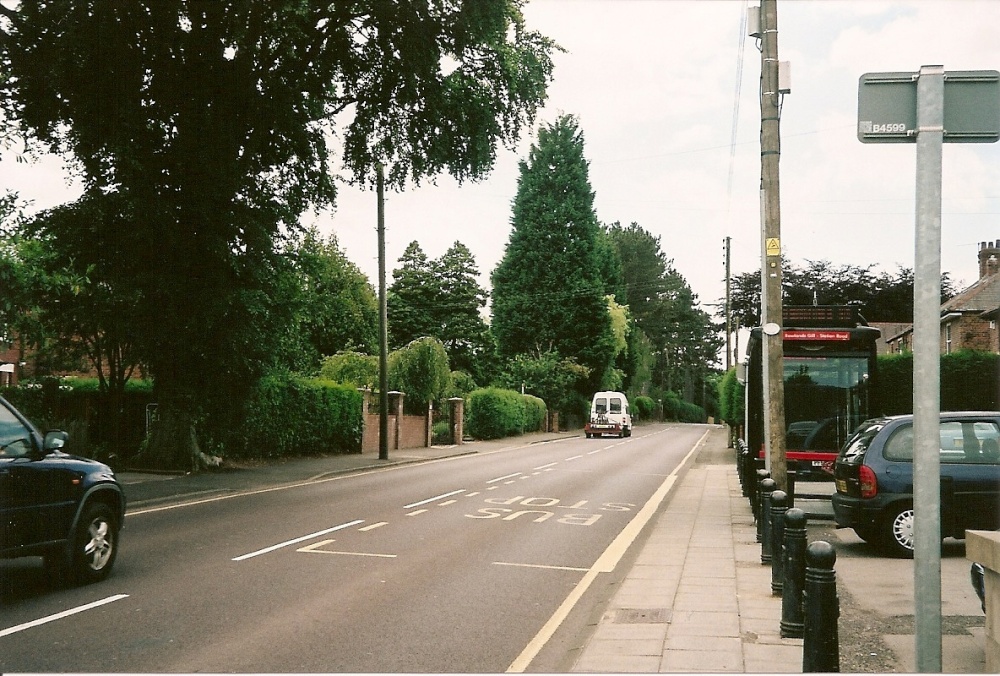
point(820, 644)
point(795, 571)
point(455, 412)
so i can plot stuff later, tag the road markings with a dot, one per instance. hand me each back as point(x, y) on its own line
point(538, 565)
point(268, 550)
point(501, 478)
point(436, 497)
point(551, 464)
point(447, 502)
point(373, 526)
point(605, 564)
point(59, 616)
point(315, 549)
point(575, 457)
point(415, 512)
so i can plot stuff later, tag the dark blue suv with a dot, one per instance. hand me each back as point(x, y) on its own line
point(874, 479)
point(64, 508)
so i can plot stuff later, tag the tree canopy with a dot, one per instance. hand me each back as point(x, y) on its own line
point(549, 288)
point(881, 296)
point(210, 122)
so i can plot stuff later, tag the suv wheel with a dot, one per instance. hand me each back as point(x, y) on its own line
point(95, 544)
point(897, 532)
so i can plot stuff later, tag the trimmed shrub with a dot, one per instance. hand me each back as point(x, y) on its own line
point(420, 369)
point(493, 413)
point(731, 399)
point(351, 368)
point(291, 415)
point(98, 427)
point(534, 413)
point(969, 382)
point(644, 408)
point(441, 433)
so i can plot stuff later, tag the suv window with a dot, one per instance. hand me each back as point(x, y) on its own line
point(15, 438)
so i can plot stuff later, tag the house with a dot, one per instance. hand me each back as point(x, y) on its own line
point(969, 321)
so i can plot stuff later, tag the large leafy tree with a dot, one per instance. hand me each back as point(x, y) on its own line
point(335, 305)
point(210, 120)
point(682, 340)
point(881, 296)
point(549, 290)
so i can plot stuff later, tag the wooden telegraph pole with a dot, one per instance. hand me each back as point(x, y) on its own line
point(383, 331)
point(770, 145)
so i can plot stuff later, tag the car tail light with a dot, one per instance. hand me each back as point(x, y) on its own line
point(867, 482)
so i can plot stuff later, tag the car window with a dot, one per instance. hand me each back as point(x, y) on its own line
point(899, 446)
point(961, 442)
point(15, 438)
point(601, 405)
point(965, 442)
point(858, 443)
point(616, 405)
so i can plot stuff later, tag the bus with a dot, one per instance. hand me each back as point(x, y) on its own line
point(831, 379)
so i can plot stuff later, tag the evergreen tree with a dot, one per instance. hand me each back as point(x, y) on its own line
point(462, 329)
point(412, 299)
point(548, 290)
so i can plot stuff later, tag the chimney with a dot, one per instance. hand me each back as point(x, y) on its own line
point(989, 258)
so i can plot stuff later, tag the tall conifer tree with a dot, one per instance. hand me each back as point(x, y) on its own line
point(548, 290)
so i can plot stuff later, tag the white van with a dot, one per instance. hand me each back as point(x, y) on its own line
point(609, 414)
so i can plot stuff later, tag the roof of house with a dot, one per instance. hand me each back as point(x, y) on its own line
point(982, 296)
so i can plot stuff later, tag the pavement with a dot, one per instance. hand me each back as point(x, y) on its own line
point(695, 596)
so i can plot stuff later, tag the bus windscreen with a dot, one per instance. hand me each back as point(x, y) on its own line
point(826, 398)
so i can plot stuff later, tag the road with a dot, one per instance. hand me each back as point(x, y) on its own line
point(459, 565)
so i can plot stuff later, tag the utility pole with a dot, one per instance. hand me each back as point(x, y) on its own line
point(770, 150)
point(383, 326)
point(729, 329)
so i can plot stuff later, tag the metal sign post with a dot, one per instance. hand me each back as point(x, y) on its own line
point(928, 108)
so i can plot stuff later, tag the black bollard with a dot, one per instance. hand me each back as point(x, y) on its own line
point(821, 609)
point(795, 571)
point(760, 474)
point(767, 486)
point(779, 505)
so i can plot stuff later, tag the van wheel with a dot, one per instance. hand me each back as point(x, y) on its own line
point(897, 532)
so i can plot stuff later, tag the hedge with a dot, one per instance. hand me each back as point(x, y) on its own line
point(643, 408)
point(292, 415)
point(78, 406)
point(970, 381)
point(534, 413)
point(494, 413)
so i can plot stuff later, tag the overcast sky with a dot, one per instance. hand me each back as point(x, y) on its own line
point(654, 85)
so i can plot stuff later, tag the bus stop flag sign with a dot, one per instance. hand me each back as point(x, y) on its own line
point(887, 107)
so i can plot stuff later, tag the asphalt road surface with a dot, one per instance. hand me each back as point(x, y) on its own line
point(458, 565)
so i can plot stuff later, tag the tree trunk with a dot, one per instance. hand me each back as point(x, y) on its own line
point(173, 444)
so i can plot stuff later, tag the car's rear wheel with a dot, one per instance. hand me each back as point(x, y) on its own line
point(897, 532)
point(95, 544)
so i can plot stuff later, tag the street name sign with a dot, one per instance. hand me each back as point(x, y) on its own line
point(887, 107)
